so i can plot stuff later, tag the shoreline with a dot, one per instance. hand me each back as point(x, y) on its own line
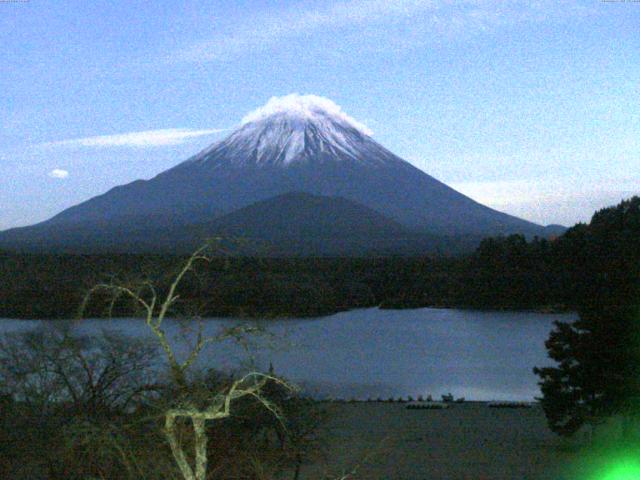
point(546, 310)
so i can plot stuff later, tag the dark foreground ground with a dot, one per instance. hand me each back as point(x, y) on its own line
point(467, 441)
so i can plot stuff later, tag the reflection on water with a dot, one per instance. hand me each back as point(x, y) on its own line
point(373, 353)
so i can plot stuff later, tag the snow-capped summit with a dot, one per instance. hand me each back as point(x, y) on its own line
point(304, 107)
point(295, 128)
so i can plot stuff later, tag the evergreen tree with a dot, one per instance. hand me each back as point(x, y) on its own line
point(598, 356)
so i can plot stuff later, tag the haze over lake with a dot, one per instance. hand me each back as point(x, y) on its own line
point(371, 353)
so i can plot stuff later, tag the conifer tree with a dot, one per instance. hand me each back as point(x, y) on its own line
point(598, 356)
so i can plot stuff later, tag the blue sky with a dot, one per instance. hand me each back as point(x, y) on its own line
point(529, 107)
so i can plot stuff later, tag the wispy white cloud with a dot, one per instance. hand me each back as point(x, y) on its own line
point(426, 17)
point(550, 200)
point(144, 139)
point(58, 173)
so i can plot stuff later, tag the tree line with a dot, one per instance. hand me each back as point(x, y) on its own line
point(503, 273)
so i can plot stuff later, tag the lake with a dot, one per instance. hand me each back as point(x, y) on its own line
point(371, 353)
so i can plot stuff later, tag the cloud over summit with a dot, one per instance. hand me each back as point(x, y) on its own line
point(304, 106)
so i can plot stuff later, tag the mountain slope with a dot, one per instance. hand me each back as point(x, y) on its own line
point(303, 224)
point(292, 224)
point(298, 214)
point(293, 144)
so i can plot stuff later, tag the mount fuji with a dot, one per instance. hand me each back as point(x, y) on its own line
point(301, 144)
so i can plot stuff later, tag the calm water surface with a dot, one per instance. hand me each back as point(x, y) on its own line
point(381, 353)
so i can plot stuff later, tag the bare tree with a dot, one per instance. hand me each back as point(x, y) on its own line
point(59, 385)
point(155, 307)
point(47, 368)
